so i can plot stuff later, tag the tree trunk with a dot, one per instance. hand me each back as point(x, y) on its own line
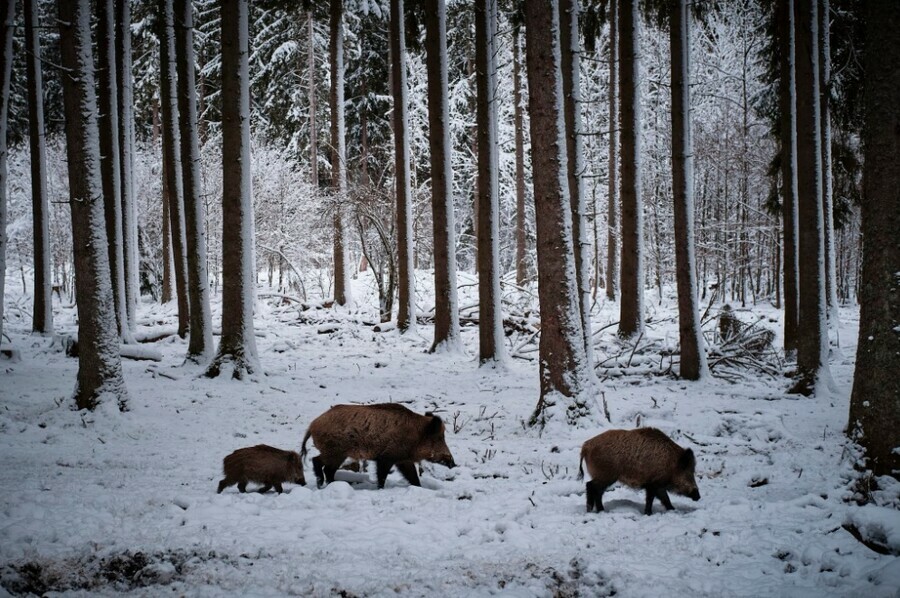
point(788, 125)
point(812, 336)
point(831, 297)
point(172, 159)
point(406, 311)
point(490, 316)
point(342, 294)
point(631, 309)
point(125, 85)
point(311, 82)
point(99, 363)
point(612, 218)
point(42, 318)
point(7, 29)
point(875, 401)
point(570, 49)
point(200, 346)
point(693, 355)
point(521, 238)
point(237, 346)
point(563, 361)
point(110, 165)
point(168, 284)
point(446, 315)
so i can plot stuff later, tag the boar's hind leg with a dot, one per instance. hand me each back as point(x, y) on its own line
point(408, 469)
point(317, 468)
point(265, 488)
point(383, 468)
point(663, 497)
point(242, 486)
point(278, 487)
point(225, 484)
point(594, 490)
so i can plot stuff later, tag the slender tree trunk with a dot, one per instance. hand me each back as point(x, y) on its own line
point(311, 82)
point(570, 49)
point(521, 238)
point(631, 320)
point(342, 294)
point(446, 314)
point(168, 282)
point(812, 339)
point(200, 346)
point(406, 312)
point(831, 297)
point(125, 84)
point(42, 318)
point(7, 29)
point(99, 365)
point(110, 165)
point(172, 159)
point(875, 401)
point(788, 124)
point(693, 355)
point(612, 218)
point(563, 361)
point(237, 346)
point(490, 317)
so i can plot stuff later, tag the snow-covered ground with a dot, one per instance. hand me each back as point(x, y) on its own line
point(106, 503)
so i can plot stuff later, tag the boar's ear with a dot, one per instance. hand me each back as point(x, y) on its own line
point(434, 427)
point(687, 460)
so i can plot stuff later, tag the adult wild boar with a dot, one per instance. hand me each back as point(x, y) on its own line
point(264, 465)
point(643, 458)
point(387, 433)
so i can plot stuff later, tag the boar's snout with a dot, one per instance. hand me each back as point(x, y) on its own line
point(447, 461)
point(302, 482)
point(695, 495)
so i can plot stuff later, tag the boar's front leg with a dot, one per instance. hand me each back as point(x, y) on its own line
point(663, 497)
point(651, 494)
point(265, 488)
point(278, 487)
point(383, 468)
point(408, 469)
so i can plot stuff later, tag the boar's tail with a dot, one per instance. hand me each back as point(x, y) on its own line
point(303, 446)
point(580, 468)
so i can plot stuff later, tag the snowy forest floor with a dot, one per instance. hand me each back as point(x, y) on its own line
point(106, 503)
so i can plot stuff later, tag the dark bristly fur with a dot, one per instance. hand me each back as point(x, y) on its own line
point(387, 433)
point(264, 465)
point(643, 458)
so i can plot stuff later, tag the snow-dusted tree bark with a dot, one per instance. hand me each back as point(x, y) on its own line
point(631, 308)
point(108, 122)
point(6, 59)
point(693, 355)
point(519, 124)
point(490, 316)
point(446, 314)
point(406, 311)
point(42, 318)
point(168, 279)
point(564, 366)
point(311, 84)
point(787, 109)
point(875, 402)
point(342, 294)
point(812, 336)
point(172, 158)
point(831, 298)
point(99, 363)
point(237, 346)
point(125, 85)
point(570, 48)
point(201, 343)
point(612, 208)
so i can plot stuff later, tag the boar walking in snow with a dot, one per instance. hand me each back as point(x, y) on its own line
point(264, 465)
point(643, 458)
point(387, 433)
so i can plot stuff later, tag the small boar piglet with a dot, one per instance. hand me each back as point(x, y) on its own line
point(387, 433)
point(264, 465)
point(644, 458)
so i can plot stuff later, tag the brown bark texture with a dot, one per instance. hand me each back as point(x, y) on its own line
point(338, 152)
point(612, 204)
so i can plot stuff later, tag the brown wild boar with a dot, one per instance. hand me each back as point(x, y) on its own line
point(387, 433)
point(264, 465)
point(643, 458)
